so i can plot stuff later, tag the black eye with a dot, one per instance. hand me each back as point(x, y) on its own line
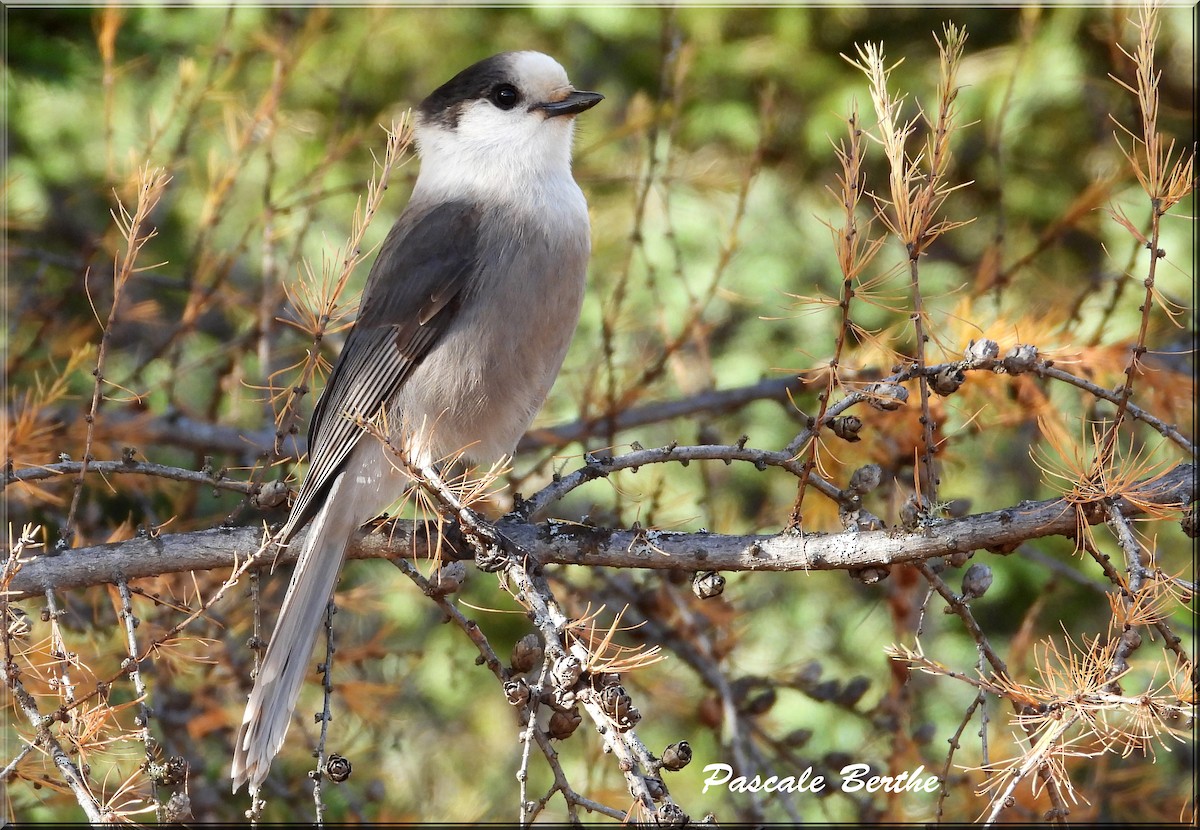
point(505, 96)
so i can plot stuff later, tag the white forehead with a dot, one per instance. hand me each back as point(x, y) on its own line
point(537, 70)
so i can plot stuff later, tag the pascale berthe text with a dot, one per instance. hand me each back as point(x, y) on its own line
point(855, 778)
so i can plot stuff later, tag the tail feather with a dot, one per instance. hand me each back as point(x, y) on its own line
point(281, 674)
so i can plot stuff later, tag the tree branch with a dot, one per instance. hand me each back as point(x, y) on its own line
point(179, 430)
point(573, 544)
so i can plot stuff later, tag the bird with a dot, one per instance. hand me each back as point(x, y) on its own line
point(463, 326)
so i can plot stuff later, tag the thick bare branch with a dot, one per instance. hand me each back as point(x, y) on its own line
point(563, 543)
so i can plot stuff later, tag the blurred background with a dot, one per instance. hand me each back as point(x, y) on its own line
point(710, 171)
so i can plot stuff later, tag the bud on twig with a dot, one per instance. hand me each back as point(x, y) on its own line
point(979, 351)
point(526, 653)
point(677, 756)
point(1020, 359)
point(269, 495)
point(847, 427)
point(567, 671)
point(174, 771)
point(1188, 523)
point(615, 702)
point(859, 519)
point(449, 578)
point(886, 397)
point(914, 512)
point(708, 584)
point(179, 807)
point(870, 574)
point(959, 558)
point(517, 691)
point(671, 815)
point(337, 768)
point(563, 724)
point(948, 381)
point(976, 581)
point(866, 478)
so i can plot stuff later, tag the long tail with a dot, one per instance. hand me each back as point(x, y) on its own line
point(269, 710)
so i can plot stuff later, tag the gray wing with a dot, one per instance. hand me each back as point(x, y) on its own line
point(413, 293)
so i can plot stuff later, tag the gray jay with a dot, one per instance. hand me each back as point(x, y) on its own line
point(462, 328)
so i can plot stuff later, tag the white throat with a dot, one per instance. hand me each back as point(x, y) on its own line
point(526, 166)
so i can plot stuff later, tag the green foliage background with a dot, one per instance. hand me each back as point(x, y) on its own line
point(431, 739)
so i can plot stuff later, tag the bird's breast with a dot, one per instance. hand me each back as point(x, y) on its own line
point(481, 387)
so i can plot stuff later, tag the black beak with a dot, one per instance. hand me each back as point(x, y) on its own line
point(573, 104)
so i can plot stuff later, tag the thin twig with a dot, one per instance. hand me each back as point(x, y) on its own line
point(497, 553)
point(326, 713)
point(12, 765)
point(217, 480)
point(132, 666)
point(944, 789)
point(1036, 760)
point(41, 726)
point(669, 49)
point(1000, 669)
point(152, 182)
point(854, 252)
point(1171, 640)
point(1131, 596)
point(399, 137)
